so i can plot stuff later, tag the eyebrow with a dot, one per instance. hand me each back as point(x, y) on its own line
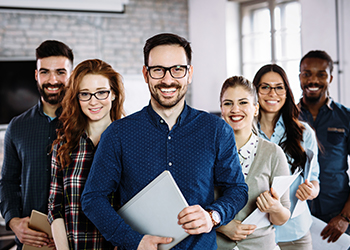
point(59, 69)
point(280, 83)
point(100, 88)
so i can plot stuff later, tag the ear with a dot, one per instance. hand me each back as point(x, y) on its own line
point(36, 75)
point(190, 74)
point(331, 79)
point(112, 96)
point(145, 73)
point(256, 113)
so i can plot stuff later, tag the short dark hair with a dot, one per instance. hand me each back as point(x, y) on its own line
point(54, 48)
point(166, 39)
point(321, 55)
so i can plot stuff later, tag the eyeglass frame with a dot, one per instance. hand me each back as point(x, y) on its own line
point(167, 69)
point(272, 88)
point(94, 94)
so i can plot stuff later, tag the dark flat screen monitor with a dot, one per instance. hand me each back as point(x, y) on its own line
point(18, 88)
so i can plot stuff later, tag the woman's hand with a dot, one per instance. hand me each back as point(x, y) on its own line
point(308, 190)
point(269, 202)
point(235, 230)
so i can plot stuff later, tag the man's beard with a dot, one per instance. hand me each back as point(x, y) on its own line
point(166, 104)
point(52, 99)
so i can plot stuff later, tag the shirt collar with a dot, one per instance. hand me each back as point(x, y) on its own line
point(247, 148)
point(158, 120)
point(328, 103)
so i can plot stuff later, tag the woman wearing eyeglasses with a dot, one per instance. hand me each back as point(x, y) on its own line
point(278, 122)
point(94, 98)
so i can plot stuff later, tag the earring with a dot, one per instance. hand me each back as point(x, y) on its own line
point(113, 98)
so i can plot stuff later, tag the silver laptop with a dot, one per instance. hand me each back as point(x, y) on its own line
point(155, 208)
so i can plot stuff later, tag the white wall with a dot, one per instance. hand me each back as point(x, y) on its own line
point(207, 34)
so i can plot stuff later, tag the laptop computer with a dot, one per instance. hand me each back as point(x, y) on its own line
point(155, 208)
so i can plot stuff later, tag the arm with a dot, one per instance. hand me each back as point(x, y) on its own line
point(104, 177)
point(59, 234)
point(270, 203)
point(235, 230)
point(228, 175)
point(337, 225)
point(10, 190)
point(56, 205)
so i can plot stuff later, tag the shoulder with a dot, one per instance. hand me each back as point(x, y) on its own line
point(308, 133)
point(341, 110)
point(267, 146)
point(19, 121)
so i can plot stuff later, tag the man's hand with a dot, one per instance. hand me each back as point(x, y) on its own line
point(28, 236)
point(195, 220)
point(335, 228)
point(150, 242)
point(235, 230)
point(306, 191)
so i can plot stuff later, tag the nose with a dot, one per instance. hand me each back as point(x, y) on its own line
point(167, 79)
point(313, 78)
point(53, 78)
point(93, 100)
point(272, 92)
point(234, 108)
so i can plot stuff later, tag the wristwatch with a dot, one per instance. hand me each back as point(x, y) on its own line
point(215, 217)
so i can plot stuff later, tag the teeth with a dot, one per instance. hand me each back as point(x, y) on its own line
point(95, 109)
point(272, 102)
point(313, 89)
point(236, 118)
point(168, 90)
point(52, 88)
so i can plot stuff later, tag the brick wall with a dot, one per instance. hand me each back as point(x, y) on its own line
point(116, 38)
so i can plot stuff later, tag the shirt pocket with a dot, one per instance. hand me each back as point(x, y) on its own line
point(335, 135)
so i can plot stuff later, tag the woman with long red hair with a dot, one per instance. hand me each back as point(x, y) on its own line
point(94, 99)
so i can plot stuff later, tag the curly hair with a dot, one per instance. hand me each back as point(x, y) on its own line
point(290, 113)
point(73, 120)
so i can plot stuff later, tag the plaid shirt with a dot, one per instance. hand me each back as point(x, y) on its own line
point(64, 201)
point(25, 176)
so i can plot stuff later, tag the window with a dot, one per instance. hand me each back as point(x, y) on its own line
point(271, 34)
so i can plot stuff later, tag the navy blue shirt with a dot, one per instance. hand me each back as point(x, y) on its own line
point(199, 152)
point(25, 175)
point(332, 126)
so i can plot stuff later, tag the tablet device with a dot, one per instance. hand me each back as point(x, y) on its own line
point(155, 208)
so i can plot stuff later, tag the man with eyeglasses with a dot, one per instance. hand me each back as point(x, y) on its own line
point(26, 171)
point(331, 122)
point(196, 147)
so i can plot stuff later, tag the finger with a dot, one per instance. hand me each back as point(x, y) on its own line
point(325, 232)
point(274, 193)
point(189, 210)
point(161, 240)
point(334, 236)
point(248, 227)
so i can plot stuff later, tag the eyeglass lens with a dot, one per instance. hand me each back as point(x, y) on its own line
point(266, 89)
point(100, 95)
point(177, 71)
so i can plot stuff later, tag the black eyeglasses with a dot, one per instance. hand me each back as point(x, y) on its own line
point(265, 89)
point(176, 71)
point(99, 95)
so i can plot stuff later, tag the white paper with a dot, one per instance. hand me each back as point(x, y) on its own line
point(280, 184)
point(317, 226)
point(302, 205)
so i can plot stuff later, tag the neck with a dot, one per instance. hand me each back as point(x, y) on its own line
point(49, 109)
point(242, 138)
point(314, 107)
point(169, 115)
point(267, 122)
point(95, 129)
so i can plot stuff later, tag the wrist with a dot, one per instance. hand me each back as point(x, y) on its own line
point(344, 217)
point(215, 217)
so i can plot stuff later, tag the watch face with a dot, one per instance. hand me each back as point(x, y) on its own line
point(216, 216)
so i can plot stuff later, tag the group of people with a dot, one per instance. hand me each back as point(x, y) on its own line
point(78, 157)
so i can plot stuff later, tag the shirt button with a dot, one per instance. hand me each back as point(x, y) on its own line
point(161, 121)
point(169, 137)
point(170, 164)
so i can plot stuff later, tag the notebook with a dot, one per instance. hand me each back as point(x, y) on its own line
point(155, 208)
point(38, 221)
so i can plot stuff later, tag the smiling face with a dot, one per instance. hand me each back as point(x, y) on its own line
point(94, 109)
point(314, 79)
point(167, 92)
point(271, 102)
point(52, 75)
point(238, 109)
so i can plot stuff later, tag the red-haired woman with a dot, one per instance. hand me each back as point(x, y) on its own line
point(94, 99)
